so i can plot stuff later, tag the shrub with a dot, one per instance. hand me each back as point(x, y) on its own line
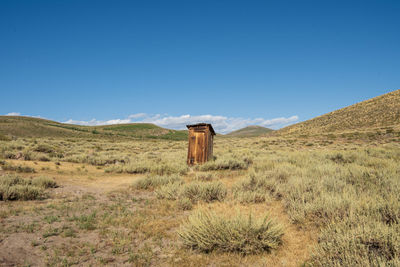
point(43, 158)
point(254, 189)
point(18, 168)
point(251, 197)
point(21, 192)
point(362, 243)
point(4, 138)
point(44, 182)
point(114, 169)
point(149, 167)
point(156, 181)
point(44, 148)
point(16, 188)
point(340, 159)
point(169, 191)
point(208, 192)
point(204, 177)
point(185, 204)
point(136, 168)
point(9, 155)
point(208, 231)
point(167, 169)
point(225, 163)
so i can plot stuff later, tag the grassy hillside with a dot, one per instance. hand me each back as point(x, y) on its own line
point(250, 131)
point(379, 113)
point(34, 127)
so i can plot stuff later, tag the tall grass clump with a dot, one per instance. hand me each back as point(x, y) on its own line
point(18, 168)
point(148, 167)
point(208, 231)
point(169, 191)
point(257, 187)
point(154, 181)
point(136, 168)
point(207, 192)
point(204, 177)
point(16, 188)
point(225, 163)
point(44, 182)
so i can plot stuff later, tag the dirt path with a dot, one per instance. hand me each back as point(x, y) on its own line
point(75, 177)
point(76, 180)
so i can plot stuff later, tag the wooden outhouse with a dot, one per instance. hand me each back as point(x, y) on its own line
point(201, 137)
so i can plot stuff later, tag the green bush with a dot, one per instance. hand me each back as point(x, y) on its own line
point(208, 231)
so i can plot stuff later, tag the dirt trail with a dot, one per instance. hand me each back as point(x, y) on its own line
point(76, 180)
point(75, 177)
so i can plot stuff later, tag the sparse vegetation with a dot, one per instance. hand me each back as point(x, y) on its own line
point(338, 197)
point(225, 163)
point(153, 181)
point(382, 111)
point(17, 168)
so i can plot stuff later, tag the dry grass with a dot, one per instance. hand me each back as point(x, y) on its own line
point(381, 113)
point(208, 231)
point(344, 193)
point(13, 187)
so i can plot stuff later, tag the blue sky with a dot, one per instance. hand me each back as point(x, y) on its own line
point(232, 63)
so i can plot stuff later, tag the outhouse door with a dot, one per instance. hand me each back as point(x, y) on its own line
point(197, 151)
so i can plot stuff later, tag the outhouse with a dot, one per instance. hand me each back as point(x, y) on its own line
point(201, 137)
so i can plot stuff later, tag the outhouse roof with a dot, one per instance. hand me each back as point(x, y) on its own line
point(202, 124)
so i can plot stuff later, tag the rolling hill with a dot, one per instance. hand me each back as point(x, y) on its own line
point(250, 131)
point(19, 126)
point(379, 112)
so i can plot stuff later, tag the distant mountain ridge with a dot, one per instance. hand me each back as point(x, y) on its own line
point(380, 111)
point(20, 126)
point(250, 131)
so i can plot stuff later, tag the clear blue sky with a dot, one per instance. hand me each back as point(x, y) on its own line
point(239, 59)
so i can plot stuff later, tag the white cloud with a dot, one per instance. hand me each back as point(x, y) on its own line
point(221, 124)
point(136, 116)
point(94, 122)
point(13, 114)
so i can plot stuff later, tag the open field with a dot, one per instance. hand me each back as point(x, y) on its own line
point(133, 202)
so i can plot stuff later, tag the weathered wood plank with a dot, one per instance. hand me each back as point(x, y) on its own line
point(200, 148)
